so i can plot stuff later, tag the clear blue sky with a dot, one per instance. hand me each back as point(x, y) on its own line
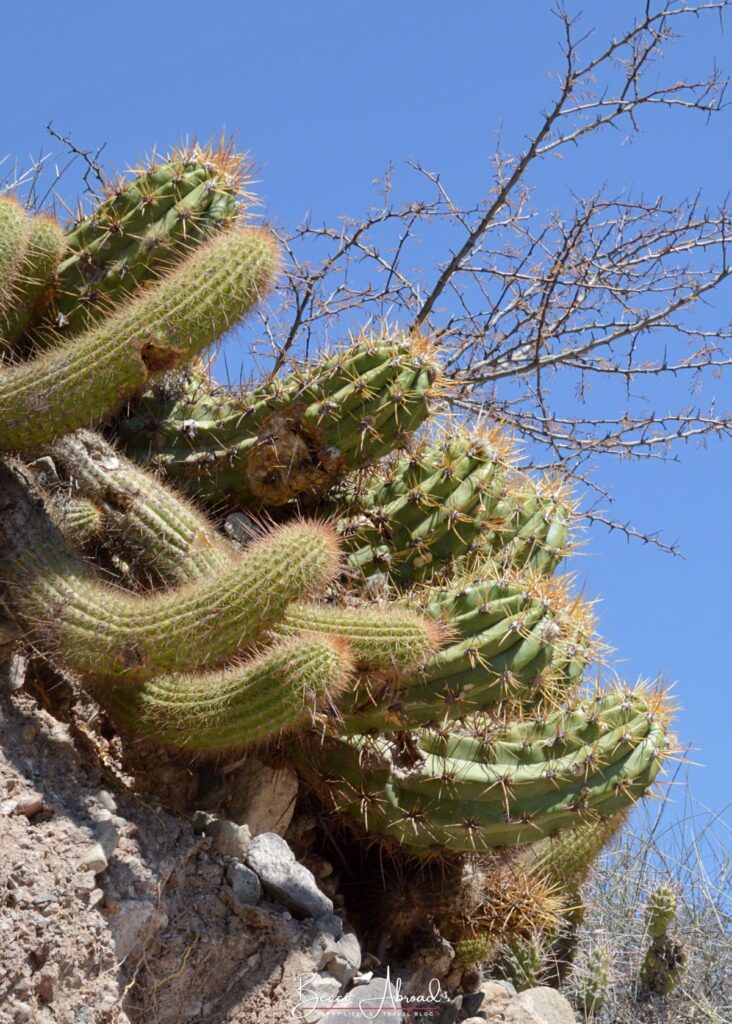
point(325, 94)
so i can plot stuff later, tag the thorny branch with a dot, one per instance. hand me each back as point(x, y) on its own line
point(533, 312)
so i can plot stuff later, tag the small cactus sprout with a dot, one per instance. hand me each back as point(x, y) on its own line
point(592, 981)
point(523, 961)
point(475, 949)
point(660, 911)
point(665, 958)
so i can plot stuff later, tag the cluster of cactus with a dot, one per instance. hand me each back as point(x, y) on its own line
point(412, 632)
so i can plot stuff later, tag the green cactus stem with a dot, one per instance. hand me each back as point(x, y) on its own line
point(165, 325)
point(80, 520)
point(154, 527)
point(428, 790)
point(390, 640)
point(290, 685)
point(660, 911)
point(522, 637)
point(101, 632)
point(426, 508)
point(592, 981)
point(14, 224)
point(522, 962)
point(140, 230)
point(291, 436)
point(34, 280)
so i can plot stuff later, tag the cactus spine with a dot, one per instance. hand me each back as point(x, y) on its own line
point(592, 981)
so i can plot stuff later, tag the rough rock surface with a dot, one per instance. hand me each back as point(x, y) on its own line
point(113, 911)
point(539, 1006)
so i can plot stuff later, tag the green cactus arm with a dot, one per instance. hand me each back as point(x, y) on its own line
point(390, 640)
point(514, 638)
point(288, 686)
point(591, 980)
point(14, 225)
point(431, 803)
point(430, 510)
point(145, 519)
point(288, 436)
point(35, 278)
point(139, 230)
point(102, 632)
point(660, 911)
point(175, 540)
point(80, 520)
point(165, 325)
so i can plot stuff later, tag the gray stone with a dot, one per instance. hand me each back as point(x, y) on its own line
point(315, 996)
point(131, 922)
point(244, 884)
point(334, 950)
point(22, 1012)
point(201, 820)
point(539, 1006)
point(94, 859)
point(105, 799)
point(240, 528)
point(451, 1011)
point(472, 1002)
point(16, 671)
point(376, 1002)
point(495, 999)
point(83, 1015)
point(474, 1020)
point(284, 879)
point(107, 835)
point(229, 838)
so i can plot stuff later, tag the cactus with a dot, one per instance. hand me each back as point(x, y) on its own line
point(592, 981)
point(139, 231)
point(167, 324)
point(101, 632)
point(293, 435)
point(512, 785)
point(518, 637)
point(80, 520)
point(450, 502)
point(665, 958)
point(474, 949)
point(427, 508)
point(34, 279)
point(289, 685)
point(522, 962)
point(660, 911)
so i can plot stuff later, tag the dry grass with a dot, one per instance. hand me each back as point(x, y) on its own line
point(680, 843)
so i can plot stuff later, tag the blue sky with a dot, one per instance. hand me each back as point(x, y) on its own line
point(325, 95)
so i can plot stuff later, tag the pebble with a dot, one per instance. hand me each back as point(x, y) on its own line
point(107, 835)
point(244, 884)
point(105, 799)
point(284, 879)
point(29, 804)
point(229, 838)
point(22, 1012)
point(94, 859)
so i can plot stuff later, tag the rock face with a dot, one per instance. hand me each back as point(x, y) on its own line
point(103, 898)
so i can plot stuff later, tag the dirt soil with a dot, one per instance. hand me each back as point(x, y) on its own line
point(157, 936)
